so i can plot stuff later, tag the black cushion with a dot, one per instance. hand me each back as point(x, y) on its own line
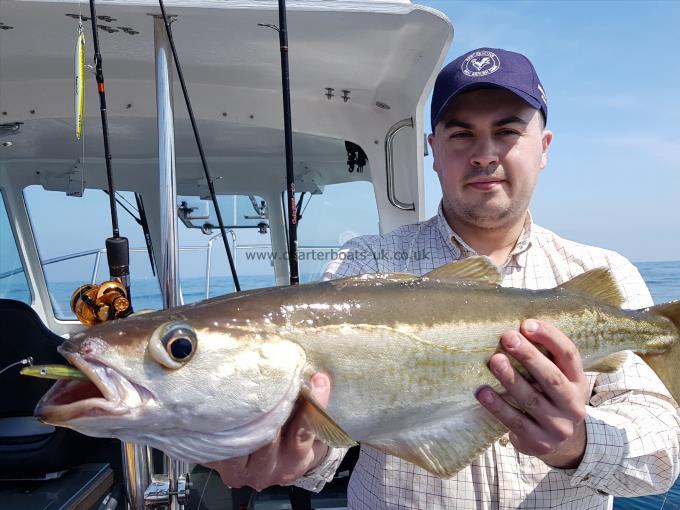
point(28, 447)
point(23, 334)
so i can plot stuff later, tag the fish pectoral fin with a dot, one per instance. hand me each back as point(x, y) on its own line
point(608, 364)
point(324, 426)
point(444, 447)
point(476, 269)
point(598, 283)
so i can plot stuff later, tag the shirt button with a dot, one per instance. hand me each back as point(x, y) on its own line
point(586, 477)
point(504, 440)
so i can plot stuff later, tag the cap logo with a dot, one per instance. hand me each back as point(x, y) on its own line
point(480, 63)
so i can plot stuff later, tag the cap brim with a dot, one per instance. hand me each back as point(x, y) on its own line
point(531, 101)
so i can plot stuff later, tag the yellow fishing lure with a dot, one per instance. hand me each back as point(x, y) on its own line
point(53, 372)
point(79, 92)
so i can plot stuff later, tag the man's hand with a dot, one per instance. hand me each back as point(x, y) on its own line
point(294, 451)
point(549, 423)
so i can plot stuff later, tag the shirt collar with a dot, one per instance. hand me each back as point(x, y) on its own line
point(462, 250)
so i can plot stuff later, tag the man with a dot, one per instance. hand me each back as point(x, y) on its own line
point(576, 438)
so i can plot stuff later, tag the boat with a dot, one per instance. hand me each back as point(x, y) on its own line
point(360, 75)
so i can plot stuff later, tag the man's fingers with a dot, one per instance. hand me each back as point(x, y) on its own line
point(551, 379)
point(519, 424)
point(564, 352)
point(527, 397)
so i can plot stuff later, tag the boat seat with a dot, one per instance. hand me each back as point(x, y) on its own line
point(29, 448)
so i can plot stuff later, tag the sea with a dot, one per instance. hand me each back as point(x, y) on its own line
point(662, 278)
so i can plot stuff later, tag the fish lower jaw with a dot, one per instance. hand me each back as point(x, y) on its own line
point(105, 393)
point(62, 414)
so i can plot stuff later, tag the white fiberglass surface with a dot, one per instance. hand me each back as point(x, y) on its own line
point(13, 283)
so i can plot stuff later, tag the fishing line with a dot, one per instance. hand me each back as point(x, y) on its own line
point(208, 177)
point(23, 362)
point(122, 197)
point(125, 208)
point(204, 488)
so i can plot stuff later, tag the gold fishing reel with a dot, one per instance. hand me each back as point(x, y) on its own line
point(94, 304)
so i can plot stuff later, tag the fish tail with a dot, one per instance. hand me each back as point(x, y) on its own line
point(667, 364)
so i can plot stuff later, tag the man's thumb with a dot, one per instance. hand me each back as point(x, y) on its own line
point(320, 384)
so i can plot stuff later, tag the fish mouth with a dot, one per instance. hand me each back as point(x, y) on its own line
point(106, 392)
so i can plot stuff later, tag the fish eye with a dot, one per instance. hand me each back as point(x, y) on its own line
point(173, 344)
point(179, 347)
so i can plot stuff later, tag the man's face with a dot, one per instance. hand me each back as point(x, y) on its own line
point(489, 148)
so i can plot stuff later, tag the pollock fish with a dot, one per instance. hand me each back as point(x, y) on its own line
point(79, 80)
point(405, 354)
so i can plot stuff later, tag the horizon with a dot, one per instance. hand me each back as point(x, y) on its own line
point(612, 109)
point(616, 151)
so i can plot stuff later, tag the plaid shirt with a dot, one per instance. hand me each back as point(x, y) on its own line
point(633, 427)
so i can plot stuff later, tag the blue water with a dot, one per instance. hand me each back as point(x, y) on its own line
point(662, 278)
point(146, 292)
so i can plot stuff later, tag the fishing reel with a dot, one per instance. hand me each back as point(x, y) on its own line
point(94, 304)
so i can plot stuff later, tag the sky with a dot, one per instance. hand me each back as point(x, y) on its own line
point(612, 75)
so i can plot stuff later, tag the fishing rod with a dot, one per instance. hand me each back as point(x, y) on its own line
point(142, 222)
point(117, 247)
point(208, 177)
point(288, 133)
point(299, 498)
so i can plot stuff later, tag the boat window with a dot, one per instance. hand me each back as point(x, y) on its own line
point(206, 272)
point(13, 282)
point(330, 219)
point(70, 232)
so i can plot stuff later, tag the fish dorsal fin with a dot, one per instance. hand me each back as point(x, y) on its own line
point(324, 426)
point(478, 269)
point(598, 283)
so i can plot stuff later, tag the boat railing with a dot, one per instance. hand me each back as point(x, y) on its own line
point(98, 253)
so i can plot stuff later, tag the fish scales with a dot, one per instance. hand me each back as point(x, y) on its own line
point(404, 355)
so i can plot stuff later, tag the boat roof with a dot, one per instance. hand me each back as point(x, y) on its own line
point(358, 71)
point(383, 53)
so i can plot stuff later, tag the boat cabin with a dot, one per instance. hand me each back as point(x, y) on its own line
point(360, 75)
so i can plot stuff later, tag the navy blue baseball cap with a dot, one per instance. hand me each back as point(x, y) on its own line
point(483, 68)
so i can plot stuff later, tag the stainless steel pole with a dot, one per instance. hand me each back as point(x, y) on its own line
point(169, 267)
point(168, 271)
point(137, 466)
